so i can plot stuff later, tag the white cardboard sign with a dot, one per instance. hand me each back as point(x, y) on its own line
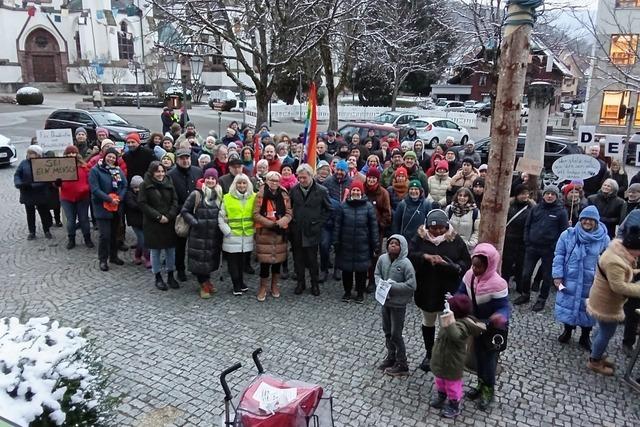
point(575, 166)
point(586, 135)
point(614, 147)
point(54, 139)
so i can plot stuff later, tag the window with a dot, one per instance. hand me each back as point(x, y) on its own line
point(624, 49)
point(612, 102)
point(627, 3)
point(552, 147)
point(483, 80)
point(125, 42)
point(78, 47)
point(82, 118)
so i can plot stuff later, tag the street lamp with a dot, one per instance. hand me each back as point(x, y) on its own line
point(197, 64)
point(300, 93)
point(133, 67)
point(171, 66)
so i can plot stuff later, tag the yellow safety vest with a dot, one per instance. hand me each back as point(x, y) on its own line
point(239, 216)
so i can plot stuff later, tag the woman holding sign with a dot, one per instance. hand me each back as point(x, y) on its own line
point(33, 195)
point(74, 198)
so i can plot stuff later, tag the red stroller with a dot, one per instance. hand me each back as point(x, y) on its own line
point(269, 401)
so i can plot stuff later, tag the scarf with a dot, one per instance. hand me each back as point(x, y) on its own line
point(114, 171)
point(462, 210)
point(401, 189)
point(276, 199)
point(210, 195)
point(435, 240)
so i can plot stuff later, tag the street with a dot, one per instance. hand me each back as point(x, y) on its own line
point(166, 349)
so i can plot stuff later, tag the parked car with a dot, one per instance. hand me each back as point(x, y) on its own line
point(470, 106)
point(222, 99)
point(524, 110)
point(484, 109)
point(8, 153)
point(578, 112)
point(396, 118)
point(554, 148)
point(446, 105)
point(434, 130)
point(381, 130)
point(117, 126)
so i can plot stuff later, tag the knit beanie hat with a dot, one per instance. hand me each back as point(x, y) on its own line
point(105, 142)
point(80, 130)
point(35, 149)
point(342, 166)
point(167, 137)
point(634, 188)
point(322, 164)
point(414, 183)
point(170, 156)
point(396, 152)
point(567, 189)
point(210, 173)
point(133, 136)
point(551, 189)
point(437, 217)
point(100, 130)
point(70, 149)
point(467, 160)
point(520, 188)
point(460, 304)
point(136, 180)
point(631, 237)
point(401, 171)
point(373, 172)
point(410, 154)
point(356, 183)
point(442, 165)
point(590, 212)
point(112, 150)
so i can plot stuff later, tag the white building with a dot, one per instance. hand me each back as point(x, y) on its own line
point(615, 56)
point(67, 43)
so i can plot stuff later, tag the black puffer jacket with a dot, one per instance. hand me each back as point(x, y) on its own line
point(355, 235)
point(133, 212)
point(205, 238)
point(411, 214)
point(514, 234)
point(184, 181)
point(156, 199)
point(611, 208)
point(545, 223)
point(310, 212)
point(434, 281)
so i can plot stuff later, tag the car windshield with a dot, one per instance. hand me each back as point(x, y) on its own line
point(442, 103)
point(107, 118)
point(386, 118)
point(418, 123)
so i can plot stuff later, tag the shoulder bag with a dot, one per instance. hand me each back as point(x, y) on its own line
point(493, 339)
point(182, 227)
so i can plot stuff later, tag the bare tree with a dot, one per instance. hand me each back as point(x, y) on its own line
point(261, 35)
point(117, 75)
point(89, 77)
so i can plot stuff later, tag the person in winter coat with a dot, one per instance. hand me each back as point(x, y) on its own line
point(631, 318)
point(138, 158)
point(449, 354)
point(423, 158)
point(574, 202)
point(439, 257)
point(75, 197)
point(288, 179)
point(411, 212)
point(463, 178)
point(379, 198)
point(514, 249)
point(105, 146)
point(464, 217)
point(399, 188)
point(356, 239)
point(613, 284)
point(545, 222)
point(469, 152)
point(609, 205)
point(489, 294)
point(108, 185)
point(312, 208)
point(618, 174)
point(415, 171)
point(200, 211)
point(594, 183)
point(632, 196)
point(133, 215)
point(478, 191)
point(237, 226)
point(439, 183)
point(574, 267)
point(272, 215)
point(387, 173)
point(158, 202)
point(33, 195)
point(395, 268)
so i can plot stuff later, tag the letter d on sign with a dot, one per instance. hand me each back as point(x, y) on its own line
point(586, 135)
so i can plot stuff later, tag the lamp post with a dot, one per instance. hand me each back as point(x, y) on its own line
point(133, 68)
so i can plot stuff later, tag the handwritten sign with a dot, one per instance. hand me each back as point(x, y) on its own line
point(270, 398)
point(614, 147)
point(50, 169)
point(529, 166)
point(54, 139)
point(382, 291)
point(586, 135)
point(575, 166)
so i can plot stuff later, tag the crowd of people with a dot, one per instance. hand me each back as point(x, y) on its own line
point(391, 214)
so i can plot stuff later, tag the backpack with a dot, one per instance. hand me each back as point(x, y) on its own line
point(474, 217)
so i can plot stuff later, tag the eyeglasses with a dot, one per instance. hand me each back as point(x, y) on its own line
point(273, 180)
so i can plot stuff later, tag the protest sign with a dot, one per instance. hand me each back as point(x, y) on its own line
point(54, 139)
point(586, 135)
point(50, 169)
point(575, 166)
point(529, 166)
point(614, 147)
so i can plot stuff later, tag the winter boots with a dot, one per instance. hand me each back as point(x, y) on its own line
point(428, 336)
point(262, 291)
point(438, 399)
point(451, 409)
point(275, 289)
point(171, 282)
point(565, 337)
point(87, 241)
point(398, 370)
point(72, 242)
point(585, 339)
point(388, 362)
point(160, 282)
point(206, 289)
point(600, 366)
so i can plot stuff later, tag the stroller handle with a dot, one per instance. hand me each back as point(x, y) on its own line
point(256, 360)
point(223, 380)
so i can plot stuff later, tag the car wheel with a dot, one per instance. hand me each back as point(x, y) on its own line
point(464, 140)
point(433, 142)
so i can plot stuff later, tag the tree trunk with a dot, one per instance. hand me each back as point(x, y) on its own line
point(505, 126)
point(394, 96)
point(332, 93)
point(262, 106)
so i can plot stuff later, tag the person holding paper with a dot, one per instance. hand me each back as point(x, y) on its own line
point(440, 257)
point(395, 269)
point(574, 267)
point(33, 195)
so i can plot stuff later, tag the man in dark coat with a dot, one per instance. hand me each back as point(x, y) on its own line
point(593, 184)
point(311, 208)
point(138, 158)
point(545, 222)
point(514, 249)
point(184, 178)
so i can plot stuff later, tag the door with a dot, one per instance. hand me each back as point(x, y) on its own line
point(44, 68)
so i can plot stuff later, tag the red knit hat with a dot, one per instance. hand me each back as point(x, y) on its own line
point(133, 136)
point(373, 172)
point(567, 189)
point(356, 183)
point(71, 149)
point(442, 164)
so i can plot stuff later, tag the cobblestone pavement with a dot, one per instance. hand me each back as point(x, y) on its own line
point(166, 349)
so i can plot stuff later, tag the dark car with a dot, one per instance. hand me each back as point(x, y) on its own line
point(118, 127)
point(381, 131)
point(554, 148)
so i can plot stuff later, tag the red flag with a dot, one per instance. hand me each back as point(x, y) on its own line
point(311, 127)
point(256, 153)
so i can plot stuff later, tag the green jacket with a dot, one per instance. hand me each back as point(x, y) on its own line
point(450, 349)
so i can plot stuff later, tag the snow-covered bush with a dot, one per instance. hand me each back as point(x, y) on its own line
point(29, 96)
point(49, 375)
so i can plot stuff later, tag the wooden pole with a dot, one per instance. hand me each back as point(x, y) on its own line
point(505, 123)
point(540, 96)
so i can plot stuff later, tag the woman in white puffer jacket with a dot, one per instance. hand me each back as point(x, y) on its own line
point(439, 183)
point(464, 217)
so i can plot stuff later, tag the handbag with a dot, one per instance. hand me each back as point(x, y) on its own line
point(181, 226)
point(493, 339)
